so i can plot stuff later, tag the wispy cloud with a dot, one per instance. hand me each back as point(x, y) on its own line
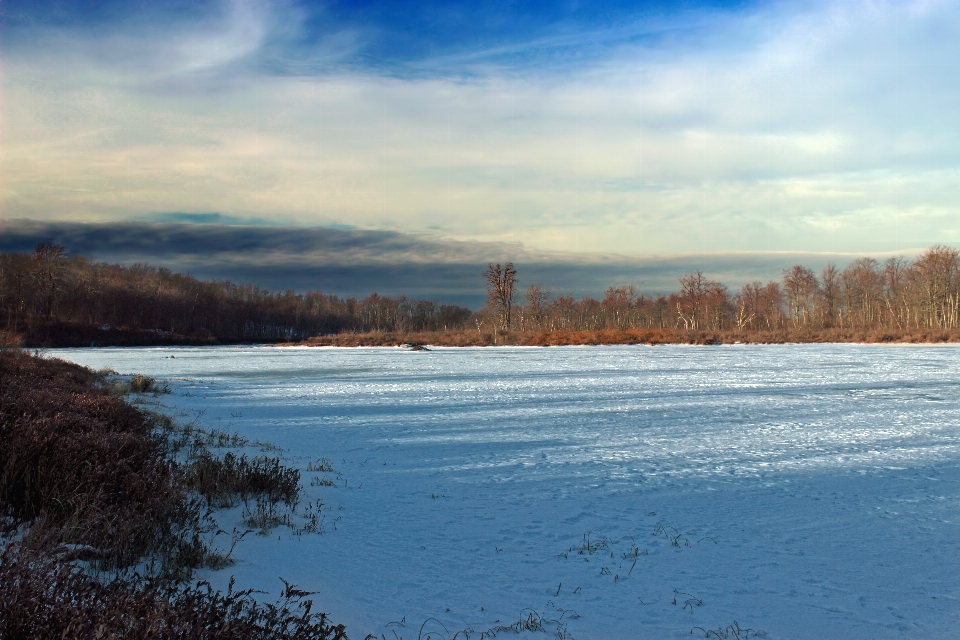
point(787, 126)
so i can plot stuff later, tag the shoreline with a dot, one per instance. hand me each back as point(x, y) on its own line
point(626, 337)
point(428, 346)
point(555, 338)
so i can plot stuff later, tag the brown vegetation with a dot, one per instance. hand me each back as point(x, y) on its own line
point(571, 337)
point(90, 488)
point(84, 467)
point(43, 596)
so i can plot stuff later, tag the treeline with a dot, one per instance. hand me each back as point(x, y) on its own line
point(896, 296)
point(49, 298)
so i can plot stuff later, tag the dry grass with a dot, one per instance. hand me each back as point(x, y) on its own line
point(90, 490)
point(76, 461)
point(225, 481)
point(43, 596)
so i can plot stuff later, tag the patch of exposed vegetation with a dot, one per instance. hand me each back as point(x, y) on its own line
point(107, 512)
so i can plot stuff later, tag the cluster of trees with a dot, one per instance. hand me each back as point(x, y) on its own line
point(47, 288)
point(897, 295)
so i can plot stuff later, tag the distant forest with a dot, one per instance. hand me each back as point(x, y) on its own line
point(48, 298)
point(897, 295)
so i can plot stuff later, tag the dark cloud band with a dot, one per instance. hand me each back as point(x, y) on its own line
point(353, 262)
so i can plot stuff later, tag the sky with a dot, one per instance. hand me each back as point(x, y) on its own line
point(594, 132)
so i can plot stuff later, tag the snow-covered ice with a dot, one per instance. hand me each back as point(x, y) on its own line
point(803, 491)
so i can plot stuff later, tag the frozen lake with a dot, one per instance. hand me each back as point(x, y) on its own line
point(803, 491)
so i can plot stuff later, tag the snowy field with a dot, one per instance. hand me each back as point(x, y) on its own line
point(803, 491)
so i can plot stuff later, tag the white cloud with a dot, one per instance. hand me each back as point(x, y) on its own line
point(240, 36)
point(829, 127)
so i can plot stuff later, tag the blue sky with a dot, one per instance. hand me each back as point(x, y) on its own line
point(394, 34)
point(600, 128)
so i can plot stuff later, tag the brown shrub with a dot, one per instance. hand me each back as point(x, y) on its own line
point(86, 477)
point(77, 461)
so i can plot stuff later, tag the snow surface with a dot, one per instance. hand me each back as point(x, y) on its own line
point(812, 489)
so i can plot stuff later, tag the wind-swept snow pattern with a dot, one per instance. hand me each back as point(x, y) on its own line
point(798, 491)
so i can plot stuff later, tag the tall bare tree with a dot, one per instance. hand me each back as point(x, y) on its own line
point(747, 304)
point(501, 284)
point(693, 293)
point(800, 285)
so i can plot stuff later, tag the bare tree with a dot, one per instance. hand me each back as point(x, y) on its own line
point(693, 292)
point(863, 291)
point(894, 274)
point(563, 312)
point(702, 303)
point(501, 284)
point(800, 285)
point(718, 305)
point(937, 274)
point(49, 261)
point(44, 285)
point(537, 299)
point(618, 304)
point(769, 306)
point(829, 299)
point(748, 304)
